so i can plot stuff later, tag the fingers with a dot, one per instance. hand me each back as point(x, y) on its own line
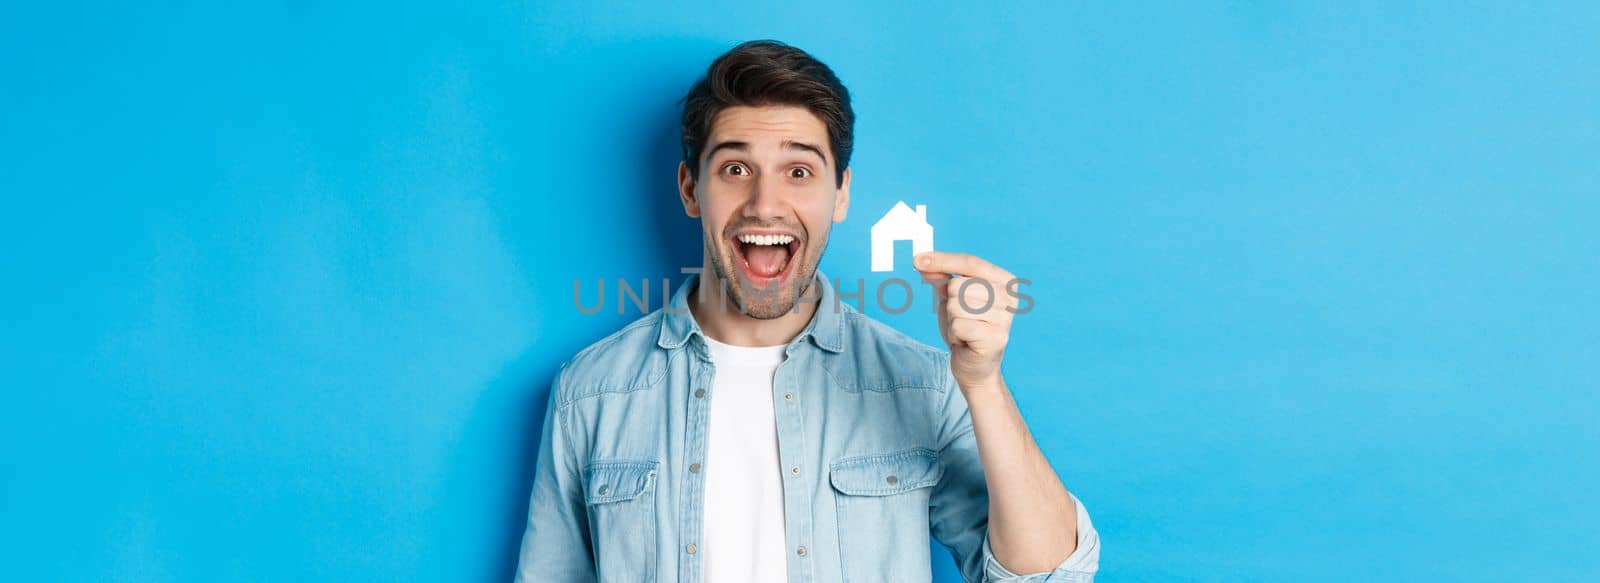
point(979, 299)
point(939, 262)
point(939, 282)
point(974, 301)
point(978, 335)
point(956, 332)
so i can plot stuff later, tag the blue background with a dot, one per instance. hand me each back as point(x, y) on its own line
point(1316, 285)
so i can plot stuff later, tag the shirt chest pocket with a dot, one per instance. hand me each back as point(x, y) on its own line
point(881, 505)
point(620, 495)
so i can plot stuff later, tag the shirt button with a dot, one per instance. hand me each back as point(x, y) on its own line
point(691, 549)
point(604, 490)
point(788, 396)
point(694, 468)
point(795, 470)
point(699, 392)
point(800, 551)
point(893, 479)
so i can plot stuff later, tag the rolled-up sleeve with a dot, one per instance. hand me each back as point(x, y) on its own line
point(1079, 567)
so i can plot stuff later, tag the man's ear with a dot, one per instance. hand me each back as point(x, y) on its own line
point(686, 194)
point(841, 203)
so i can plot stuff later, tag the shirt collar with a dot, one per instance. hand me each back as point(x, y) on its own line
point(826, 328)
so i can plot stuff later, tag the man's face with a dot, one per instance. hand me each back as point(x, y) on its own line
point(766, 199)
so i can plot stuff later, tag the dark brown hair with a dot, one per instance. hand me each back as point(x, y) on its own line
point(768, 72)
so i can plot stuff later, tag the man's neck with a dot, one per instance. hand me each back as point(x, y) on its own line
point(722, 321)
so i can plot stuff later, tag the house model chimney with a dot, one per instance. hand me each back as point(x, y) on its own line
point(922, 212)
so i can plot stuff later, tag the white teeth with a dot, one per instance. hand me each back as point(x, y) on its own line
point(766, 239)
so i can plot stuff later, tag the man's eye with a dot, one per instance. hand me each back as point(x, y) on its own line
point(799, 172)
point(736, 169)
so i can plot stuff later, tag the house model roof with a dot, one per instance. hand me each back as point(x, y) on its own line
point(900, 214)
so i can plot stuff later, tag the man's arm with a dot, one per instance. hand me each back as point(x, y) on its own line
point(961, 505)
point(556, 545)
point(1032, 519)
point(1033, 522)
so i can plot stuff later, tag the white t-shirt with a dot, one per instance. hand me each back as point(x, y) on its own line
point(743, 530)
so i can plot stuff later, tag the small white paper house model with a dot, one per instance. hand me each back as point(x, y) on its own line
point(900, 224)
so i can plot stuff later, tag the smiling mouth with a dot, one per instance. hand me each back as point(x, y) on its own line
point(766, 259)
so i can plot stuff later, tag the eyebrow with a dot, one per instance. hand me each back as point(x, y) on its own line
point(745, 147)
point(737, 146)
point(804, 146)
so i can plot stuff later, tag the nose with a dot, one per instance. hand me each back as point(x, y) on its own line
point(766, 201)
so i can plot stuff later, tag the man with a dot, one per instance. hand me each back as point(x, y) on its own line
point(757, 428)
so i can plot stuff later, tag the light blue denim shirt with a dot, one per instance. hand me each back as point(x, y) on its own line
point(874, 438)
